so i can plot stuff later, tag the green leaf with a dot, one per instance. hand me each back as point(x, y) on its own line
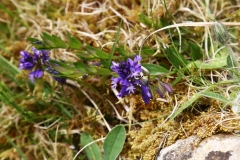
point(147, 51)
point(195, 51)
point(93, 151)
point(104, 71)
point(112, 52)
point(164, 22)
point(64, 110)
point(80, 66)
point(59, 43)
point(7, 65)
point(176, 58)
point(16, 147)
point(218, 62)
point(113, 47)
point(40, 44)
point(179, 77)
point(7, 97)
point(229, 62)
point(113, 143)
point(97, 52)
point(37, 43)
point(85, 55)
point(186, 105)
point(155, 69)
point(62, 67)
point(144, 19)
point(85, 67)
point(215, 96)
point(73, 42)
point(48, 39)
point(123, 52)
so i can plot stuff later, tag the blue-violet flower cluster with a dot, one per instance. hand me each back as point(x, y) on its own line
point(36, 62)
point(131, 76)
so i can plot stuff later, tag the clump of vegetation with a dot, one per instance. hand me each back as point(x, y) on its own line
point(108, 79)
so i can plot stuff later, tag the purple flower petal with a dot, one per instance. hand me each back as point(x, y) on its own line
point(167, 87)
point(123, 91)
point(60, 79)
point(115, 81)
point(26, 61)
point(41, 55)
point(146, 93)
point(131, 89)
point(38, 73)
point(137, 59)
point(162, 88)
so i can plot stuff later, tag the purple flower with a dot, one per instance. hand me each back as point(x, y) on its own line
point(41, 56)
point(130, 77)
point(35, 61)
point(162, 88)
point(129, 72)
point(146, 93)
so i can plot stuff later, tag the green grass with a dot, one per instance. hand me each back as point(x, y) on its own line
point(51, 118)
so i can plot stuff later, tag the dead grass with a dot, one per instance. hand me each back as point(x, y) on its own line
point(95, 23)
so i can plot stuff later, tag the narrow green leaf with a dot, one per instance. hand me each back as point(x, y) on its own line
point(179, 77)
point(85, 55)
point(59, 43)
point(5, 89)
point(164, 22)
point(114, 142)
point(37, 43)
point(195, 51)
point(122, 51)
point(93, 151)
point(97, 52)
point(80, 66)
point(104, 71)
point(16, 147)
point(176, 58)
point(147, 51)
point(229, 62)
point(85, 67)
point(48, 39)
point(155, 69)
point(114, 45)
point(7, 97)
point(73, 42)
point(112, 52)
point(62, 67)
point(215, 96)
point(8, 66)
point(145, 20)
point(65, 111)
point(186, 104)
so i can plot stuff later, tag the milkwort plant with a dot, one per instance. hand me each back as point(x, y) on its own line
point(130, 76)
point(36, 64)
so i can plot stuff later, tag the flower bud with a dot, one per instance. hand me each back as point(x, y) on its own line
point(220, 32)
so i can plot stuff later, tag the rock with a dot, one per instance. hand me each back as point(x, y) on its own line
point(216, 147)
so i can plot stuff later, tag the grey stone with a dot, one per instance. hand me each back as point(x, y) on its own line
point(216, 147)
